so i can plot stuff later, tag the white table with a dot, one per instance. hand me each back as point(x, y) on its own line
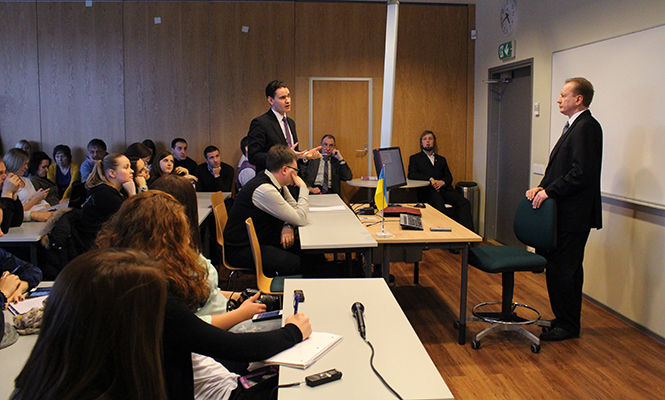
point(28, 234)
point(336, 230)
point(14, 357)
point(400, 356)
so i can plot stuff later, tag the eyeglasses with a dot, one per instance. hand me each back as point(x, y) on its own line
point(295, 169)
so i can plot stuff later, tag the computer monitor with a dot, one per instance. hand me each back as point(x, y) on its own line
point(391, 157)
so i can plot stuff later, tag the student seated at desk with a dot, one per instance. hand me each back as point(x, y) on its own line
point(109, 184)
point(37, 172)
point(101, 332)
point(17, 277)
point(11, 209)
point(156, 222)
point(34, 203)
point(267, 200)
point(164, 165)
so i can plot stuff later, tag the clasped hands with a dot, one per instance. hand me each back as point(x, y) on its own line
point(536, 195)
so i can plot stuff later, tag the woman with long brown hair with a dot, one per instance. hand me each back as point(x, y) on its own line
point(101, 333)
point(155, 222)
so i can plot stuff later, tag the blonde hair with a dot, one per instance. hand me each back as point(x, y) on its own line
point(98, 174)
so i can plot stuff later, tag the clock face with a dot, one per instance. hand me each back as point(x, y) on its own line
point(508, 16)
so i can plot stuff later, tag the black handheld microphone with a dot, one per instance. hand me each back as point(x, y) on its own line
point(358, 309)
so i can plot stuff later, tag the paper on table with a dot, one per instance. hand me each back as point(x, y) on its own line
point(306, 352)
point(328, 208)
point(26, 305)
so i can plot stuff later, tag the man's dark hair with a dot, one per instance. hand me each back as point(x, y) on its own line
point(272, 88)
point(209, 149)
point(177, 140)
point(98, 143)
point(244, 143)
point(584, 88)
point(328, 136)
point(279, 156)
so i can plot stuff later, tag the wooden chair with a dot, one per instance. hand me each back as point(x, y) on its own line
point(220, 223)
point(216, 199)
point(265, 284)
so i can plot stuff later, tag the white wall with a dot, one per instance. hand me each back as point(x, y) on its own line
point(625, 261)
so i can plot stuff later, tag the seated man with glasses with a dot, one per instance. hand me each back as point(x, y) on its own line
point(267, 200)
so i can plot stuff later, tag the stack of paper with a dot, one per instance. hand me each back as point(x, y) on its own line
point(306, 352)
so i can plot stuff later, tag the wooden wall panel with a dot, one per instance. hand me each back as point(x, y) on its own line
point(242, 64)
point(81, 75)
point(19, 88)
point(340, 40)
point(166, 73)
point(431, 81)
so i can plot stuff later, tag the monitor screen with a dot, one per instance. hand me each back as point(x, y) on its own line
point(391, 157)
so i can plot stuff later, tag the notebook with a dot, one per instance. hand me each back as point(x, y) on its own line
point(306, 352)
point(26, 305)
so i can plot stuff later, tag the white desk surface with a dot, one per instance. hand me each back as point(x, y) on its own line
point(28, 232)
point(31, 231)
point(338, 229)
point(400, 356)
point(14, 357)
point(410, 183)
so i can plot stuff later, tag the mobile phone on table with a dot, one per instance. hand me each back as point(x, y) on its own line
point(267, 315)
point(257, 376)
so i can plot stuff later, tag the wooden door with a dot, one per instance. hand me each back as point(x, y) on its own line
point(341, 108)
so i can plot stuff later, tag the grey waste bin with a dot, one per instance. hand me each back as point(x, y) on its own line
point(471, 192)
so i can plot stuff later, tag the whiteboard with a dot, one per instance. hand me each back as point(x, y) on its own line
point(628, 75)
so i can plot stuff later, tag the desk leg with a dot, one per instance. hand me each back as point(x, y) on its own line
point(368, 262)
point(462, 305)
point(33, 254)
point(386, 263)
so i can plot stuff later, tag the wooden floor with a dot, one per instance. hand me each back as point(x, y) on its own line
point(610, 360)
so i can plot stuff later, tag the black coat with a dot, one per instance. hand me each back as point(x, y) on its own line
point(572, 176)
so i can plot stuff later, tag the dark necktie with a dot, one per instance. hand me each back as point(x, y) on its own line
point(324, 184)
point(289, 142)
point(558, 143)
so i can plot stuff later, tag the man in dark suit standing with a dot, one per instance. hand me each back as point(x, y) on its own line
point(274, 127)
point(324, 175)
point(429, 166)
point(572, 178)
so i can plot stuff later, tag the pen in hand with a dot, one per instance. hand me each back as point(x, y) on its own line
point(296, 300)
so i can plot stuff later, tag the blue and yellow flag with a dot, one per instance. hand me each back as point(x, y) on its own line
point(381, 195)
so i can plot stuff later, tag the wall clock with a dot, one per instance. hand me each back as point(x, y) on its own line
point(508, 16)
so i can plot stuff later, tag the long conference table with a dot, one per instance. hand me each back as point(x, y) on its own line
point(400, 356)
point(30, 233)
point(458, 238)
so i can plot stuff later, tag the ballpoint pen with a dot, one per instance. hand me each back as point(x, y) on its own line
point(296, 300)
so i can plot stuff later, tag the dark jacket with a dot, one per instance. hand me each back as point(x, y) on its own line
point(265, 131)
point(340, 172)
point(572, 176)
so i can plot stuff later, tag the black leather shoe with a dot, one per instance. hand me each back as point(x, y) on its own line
point(549, 328)
point(556, 334)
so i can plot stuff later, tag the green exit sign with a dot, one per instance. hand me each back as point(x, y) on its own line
point(507, 50)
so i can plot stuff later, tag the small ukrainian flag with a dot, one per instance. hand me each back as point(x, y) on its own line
point(381, 195)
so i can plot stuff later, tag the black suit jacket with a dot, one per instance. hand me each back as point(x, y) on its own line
point(265, 131)
point(572, 176)
point(340, 172)
point(421, 168)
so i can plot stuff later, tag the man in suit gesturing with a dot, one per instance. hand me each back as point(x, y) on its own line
point(324, 175)
point(274, 127)
point(429, 166)
point(572, 178)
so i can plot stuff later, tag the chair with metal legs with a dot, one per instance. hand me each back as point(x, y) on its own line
point(535, 228)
